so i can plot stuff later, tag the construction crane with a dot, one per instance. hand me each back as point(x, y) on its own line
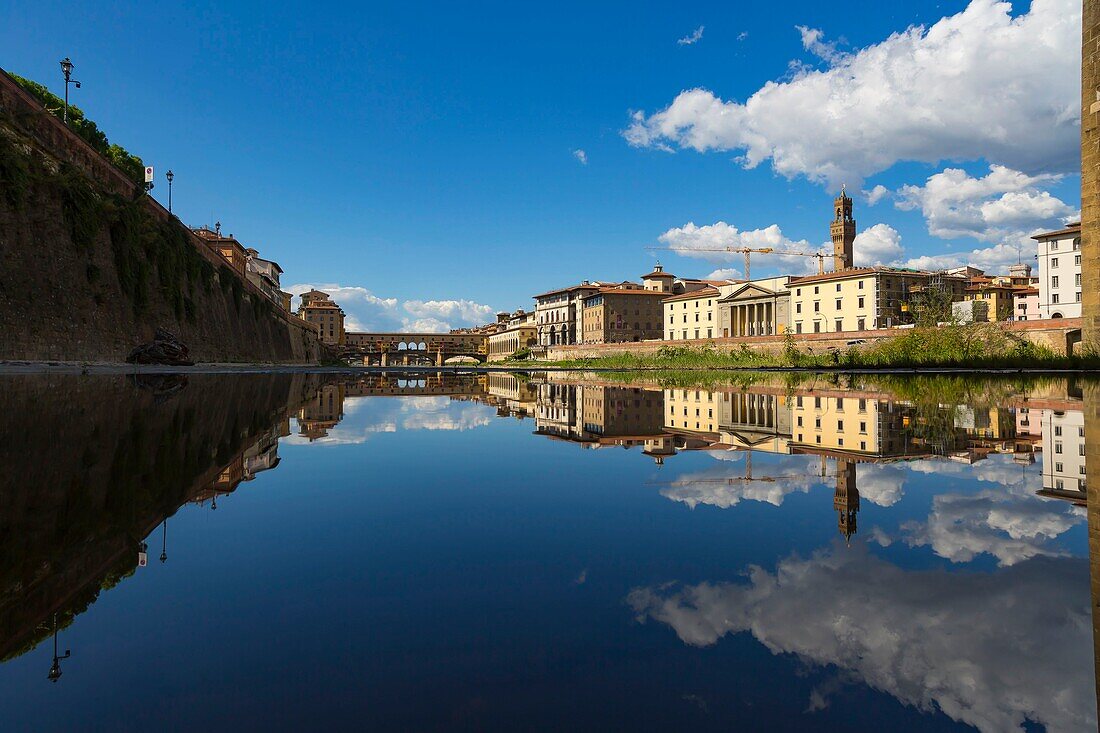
point(746, 250)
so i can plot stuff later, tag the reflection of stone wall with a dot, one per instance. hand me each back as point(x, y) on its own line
point(122, 456)
point(1092, 458)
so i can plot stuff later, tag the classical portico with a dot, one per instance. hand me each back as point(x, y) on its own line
point(755, 309)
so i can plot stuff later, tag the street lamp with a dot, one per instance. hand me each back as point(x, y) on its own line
point(164, 534)
point(55, 668)
point(169, 175)
point(67, 70)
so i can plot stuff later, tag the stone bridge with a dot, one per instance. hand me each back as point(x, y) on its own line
point(411, 349)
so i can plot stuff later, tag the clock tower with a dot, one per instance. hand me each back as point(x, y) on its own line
point(842, 230)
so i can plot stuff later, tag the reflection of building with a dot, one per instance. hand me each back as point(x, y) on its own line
point(1029, 435)
point(323, 413)
point(511, 395)
point(599, 416)
point(692, 410)
point(755, 420)
point(1064, 455)
point(852, 425)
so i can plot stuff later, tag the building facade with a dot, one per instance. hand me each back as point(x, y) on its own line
point(557, 314)
point(266, 275)
point(1059, 254)
point(1025, 305)
point(232, 251)
point(515, 331)
point(755, 308)
point(859, 299)
point(621, 314)
point(317, 308)
point(692, 315)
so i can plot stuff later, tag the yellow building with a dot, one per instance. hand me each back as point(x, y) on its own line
point(692, 410)
point(858, 299)
point(515, 331)
point(999, 295)
point(317, 308)
point(692, 315)
point(232, 251)
point(864, 428)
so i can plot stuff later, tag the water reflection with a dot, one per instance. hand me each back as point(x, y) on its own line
point(951, 578)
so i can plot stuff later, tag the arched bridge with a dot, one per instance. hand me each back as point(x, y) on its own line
point(410, 349)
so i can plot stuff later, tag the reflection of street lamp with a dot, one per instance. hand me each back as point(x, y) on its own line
point(67, 70)
point(164, 541)
point(55, 668)
point(169, 175)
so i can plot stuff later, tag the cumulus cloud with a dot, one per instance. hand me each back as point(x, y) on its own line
point(719, 487)
point(367, 311)
point(708, 242)
point(581, 156)
point(978, 84)
point(695, 36)
point(724, 273)
point(876, 194)
point(988, 649)
point(1004, 206)
point(877, 245)
point(366, 417)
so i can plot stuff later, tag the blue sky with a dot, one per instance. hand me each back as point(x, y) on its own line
point(423, 156)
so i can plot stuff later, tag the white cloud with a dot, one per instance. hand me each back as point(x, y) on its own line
point(581, 156)
point(876, 194)
point(813, 40)
point(988, 649)
point(367, 311)
point(695, 37)
point(978, 84)
point(724, 273)
point(742, 35)
point(722, 488)
point(1004, 206)
point(701, 241)
point(877, 245)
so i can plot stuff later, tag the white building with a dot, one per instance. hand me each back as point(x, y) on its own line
point(1060, 272)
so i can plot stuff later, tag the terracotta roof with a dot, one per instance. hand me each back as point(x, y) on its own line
point(854, 272)
point(707, 292)
point(658, 273)
point(625, 291)
point(571, 288)
point(1027, 291)
point(1074, 228)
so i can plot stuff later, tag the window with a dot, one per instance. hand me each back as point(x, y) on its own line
point(839, 324)
point(817, 326)
point(1077, 279)
point(798, 327)
point(1058, 468)
point(838, 287)
point(799, 421)
point(860, 301)
point(863, 427)
point(1054, 245)
point(1078, 294)
point(817, 306)
point(817, 423)
point(839, 424)
point(861, 285)
point(1054, 298)
point(861, 325)
point(838, 303)
point(1058, 448)
point(815, 290)
point(1054, 281)
point(1058, 430)
point(797, 307)
point(817, 403)
point(862, 405)
point(1053, 261)
point(710, 333)
point(1077, 259)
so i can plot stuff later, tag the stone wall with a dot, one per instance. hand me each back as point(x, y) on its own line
point(1090, 174)
point(74, 286)
point(1052, 333)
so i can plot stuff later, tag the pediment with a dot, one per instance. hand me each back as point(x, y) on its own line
point(748, 291)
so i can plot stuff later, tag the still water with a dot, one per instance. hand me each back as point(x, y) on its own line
point(504, 552)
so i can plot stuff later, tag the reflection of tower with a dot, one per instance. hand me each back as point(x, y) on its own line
point(843, 231)
point(846, 498)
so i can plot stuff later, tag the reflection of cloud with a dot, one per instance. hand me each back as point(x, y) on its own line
point(723, 488)
point(365, 417)
point(996, 469)
point(1010, 527)
point(880, 483)
point(988, 649)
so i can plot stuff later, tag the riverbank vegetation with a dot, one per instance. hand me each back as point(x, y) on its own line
point(954, 346)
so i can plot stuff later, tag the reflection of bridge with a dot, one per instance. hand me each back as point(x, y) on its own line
point(410, 349)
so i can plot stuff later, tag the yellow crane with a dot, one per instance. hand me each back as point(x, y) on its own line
point(760, 250)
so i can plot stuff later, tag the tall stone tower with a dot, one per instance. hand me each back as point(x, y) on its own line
point(843, 231)
point(1090, 178)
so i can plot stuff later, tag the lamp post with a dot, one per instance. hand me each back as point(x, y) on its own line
point(169, 175)
point(67, 70)
point(55, 668)
point(164, 535)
